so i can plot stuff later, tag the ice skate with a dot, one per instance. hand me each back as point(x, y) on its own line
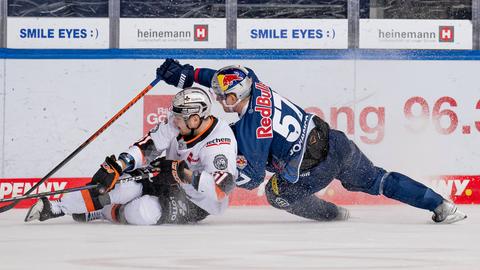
point(42, 210)
point(343, 214)
point(447, 213)
point(87, 217)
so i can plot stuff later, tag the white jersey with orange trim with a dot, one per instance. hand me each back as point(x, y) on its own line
point(209, 154)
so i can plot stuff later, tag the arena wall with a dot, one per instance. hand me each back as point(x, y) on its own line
point(417, 112)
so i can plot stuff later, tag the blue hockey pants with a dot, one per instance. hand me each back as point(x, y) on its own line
point(356, 172)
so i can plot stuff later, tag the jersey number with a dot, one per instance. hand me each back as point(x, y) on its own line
point(286, 125)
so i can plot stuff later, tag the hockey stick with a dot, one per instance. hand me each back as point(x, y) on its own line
point(143, 176)
point(87, 142)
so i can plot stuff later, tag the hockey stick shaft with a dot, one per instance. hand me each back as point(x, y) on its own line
point(63, 191)
point(87, 142)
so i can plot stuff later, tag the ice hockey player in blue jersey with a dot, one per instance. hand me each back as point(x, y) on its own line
point(302, 151)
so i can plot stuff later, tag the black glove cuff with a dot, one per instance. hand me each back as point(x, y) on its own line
point(186, 77)
point(181, 166)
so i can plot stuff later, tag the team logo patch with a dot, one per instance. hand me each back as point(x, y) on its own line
point(220, 162)
point(281, 202)
point(241, 162)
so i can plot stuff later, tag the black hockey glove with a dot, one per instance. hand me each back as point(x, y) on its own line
point(173, 73)
point(171, 171)
point(107, 175)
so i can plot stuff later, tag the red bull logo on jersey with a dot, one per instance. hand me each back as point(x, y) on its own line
point(263, 105)
point(241, 162)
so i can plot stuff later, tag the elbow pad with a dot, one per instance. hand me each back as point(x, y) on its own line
point(146, 145)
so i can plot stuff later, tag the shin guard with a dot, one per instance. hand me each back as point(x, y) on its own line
point(115, 213)
point(404, 189)
point(93, 201)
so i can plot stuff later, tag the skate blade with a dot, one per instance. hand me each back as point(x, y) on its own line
point(33, 213)
point(455, 217)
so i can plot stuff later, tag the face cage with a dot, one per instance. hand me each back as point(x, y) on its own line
point(231, 108)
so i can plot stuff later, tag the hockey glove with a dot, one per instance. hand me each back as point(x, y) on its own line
point(107, 175)
point(171, 171)
point(173, 73)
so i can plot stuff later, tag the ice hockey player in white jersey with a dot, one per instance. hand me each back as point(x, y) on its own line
point(196, 175)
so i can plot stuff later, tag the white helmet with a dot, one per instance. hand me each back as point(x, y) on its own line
point(191, 101)
point(232, 80)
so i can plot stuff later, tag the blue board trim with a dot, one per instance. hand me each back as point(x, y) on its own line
point(350, 54)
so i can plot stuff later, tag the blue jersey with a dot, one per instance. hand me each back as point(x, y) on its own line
point(270, 135)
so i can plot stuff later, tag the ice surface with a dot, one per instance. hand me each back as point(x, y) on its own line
point(376, 237)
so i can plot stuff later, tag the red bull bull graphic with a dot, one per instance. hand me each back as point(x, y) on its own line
point(227, 80)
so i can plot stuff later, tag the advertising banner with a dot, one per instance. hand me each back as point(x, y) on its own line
point(460, 189)
point(155, 110)
point(415, 34)
point(420, 118)
point(292, 33)
point(14, 187)
point(173, 33)
point(57, 33)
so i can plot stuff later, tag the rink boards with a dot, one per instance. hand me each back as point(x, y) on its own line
point(417, 112)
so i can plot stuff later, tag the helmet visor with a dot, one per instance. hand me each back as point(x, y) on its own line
point(184, 112)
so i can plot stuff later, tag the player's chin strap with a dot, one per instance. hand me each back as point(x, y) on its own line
point(231, 108)
point(192, 131)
